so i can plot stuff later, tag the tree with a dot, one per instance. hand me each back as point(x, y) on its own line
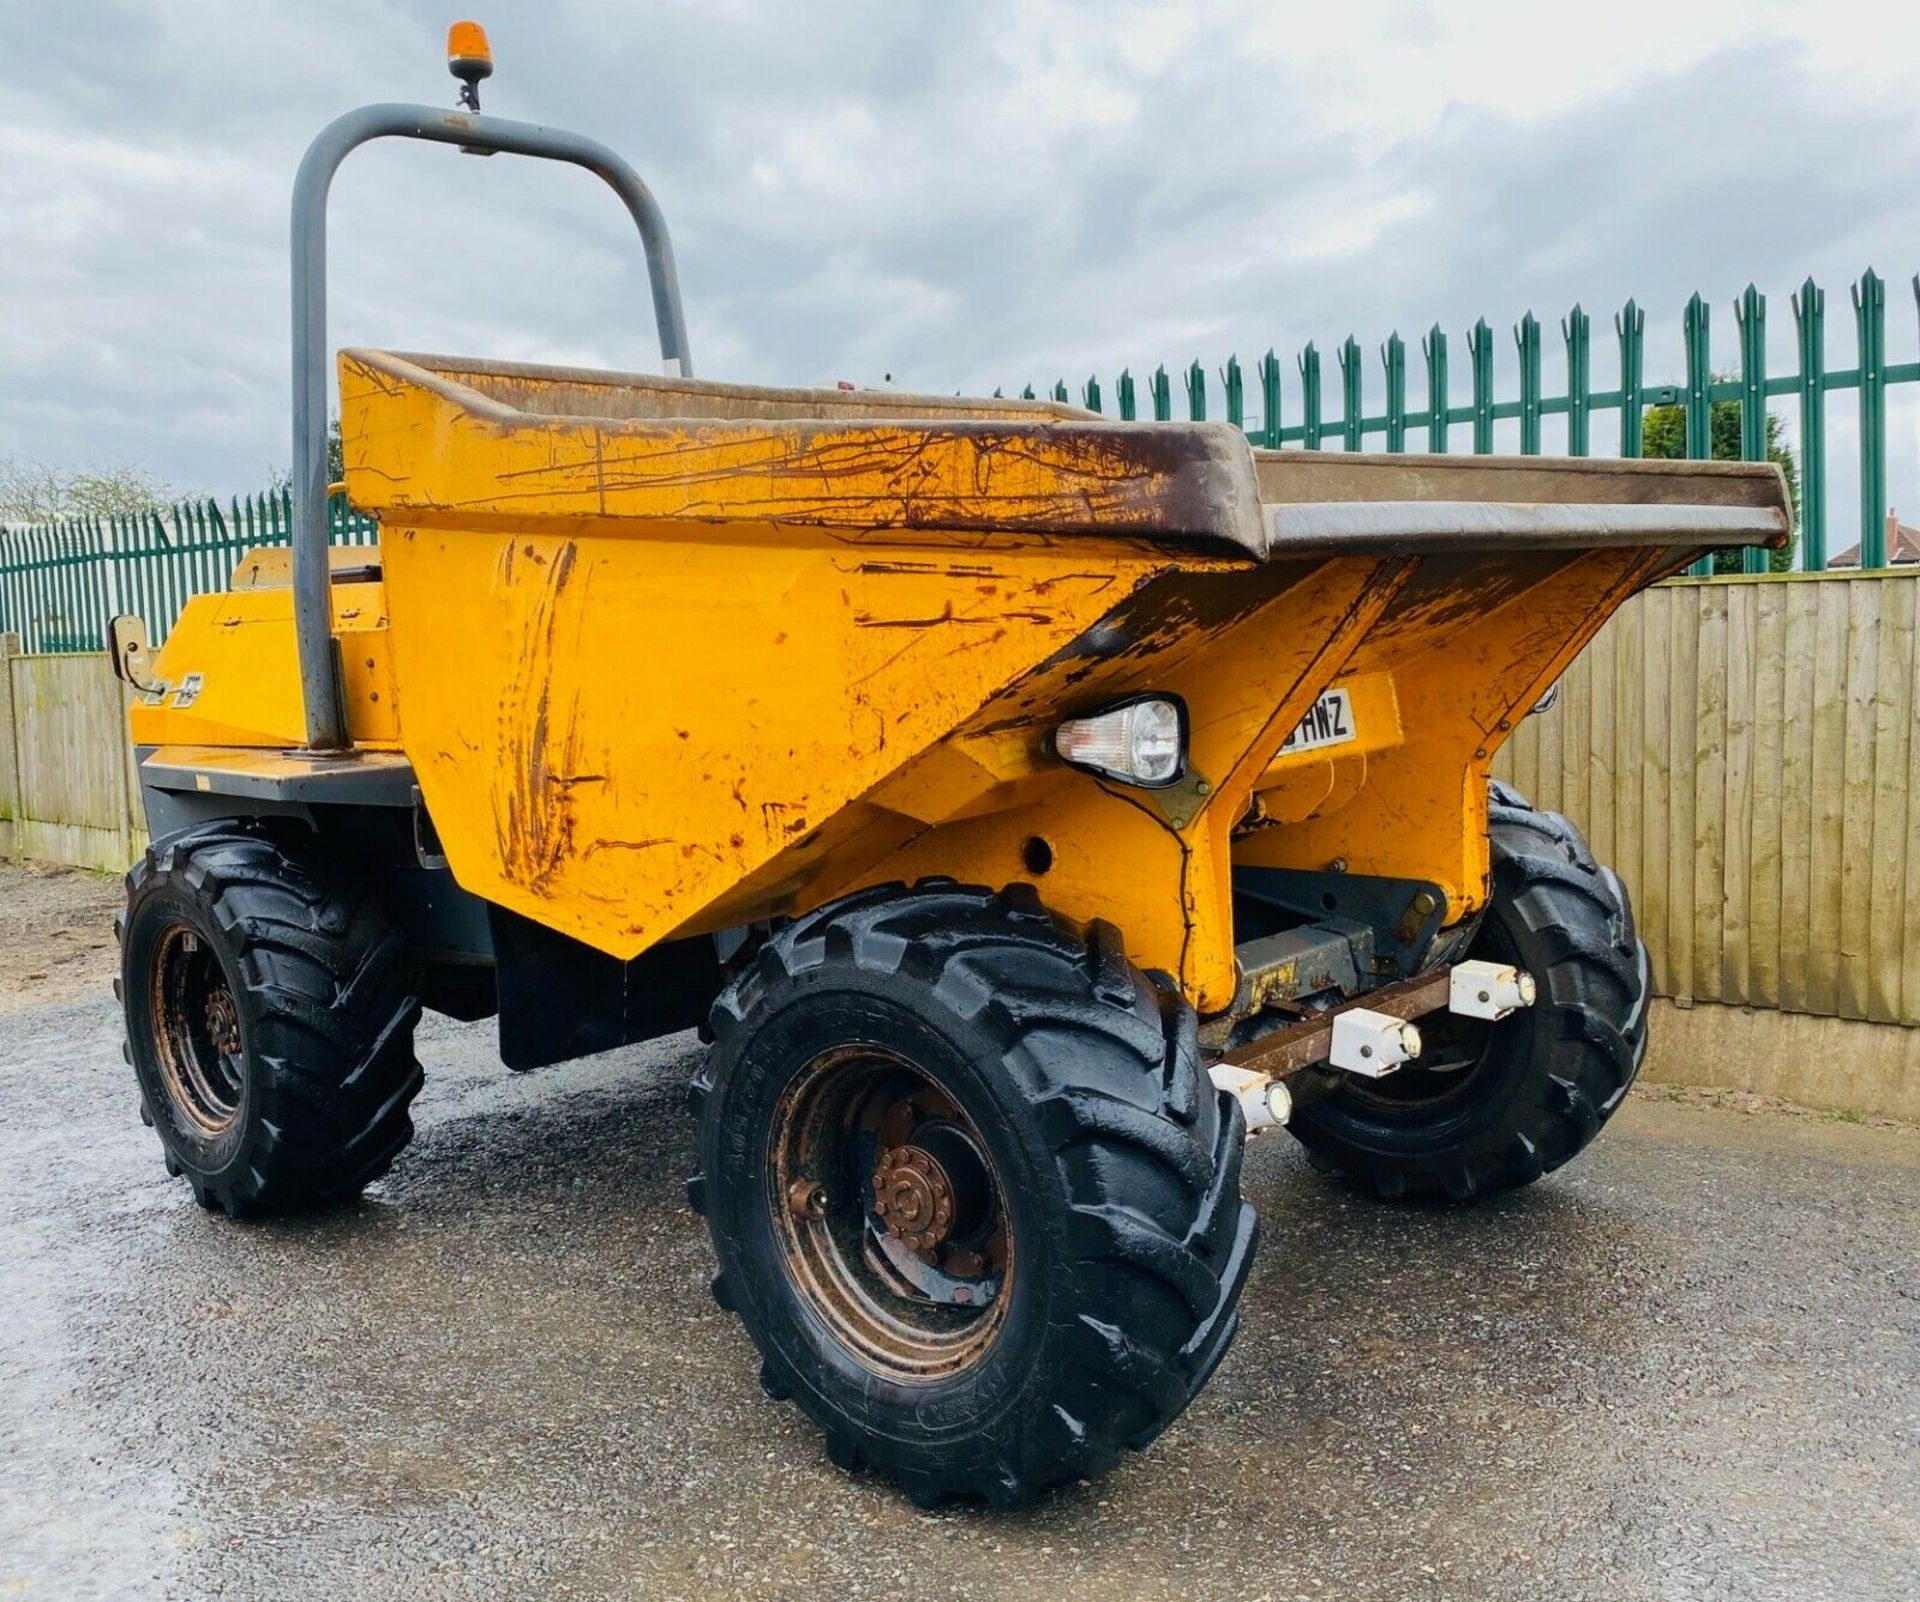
point(1664, 434)
point(35, 492)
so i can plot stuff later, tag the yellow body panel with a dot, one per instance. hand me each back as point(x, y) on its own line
point(666, 658)
point(240, 644)
point(633, 750)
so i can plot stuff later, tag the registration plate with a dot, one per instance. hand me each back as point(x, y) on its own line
point(1329, 721)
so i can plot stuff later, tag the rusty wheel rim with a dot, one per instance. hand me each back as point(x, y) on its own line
point(194, 1023)
point(890, 1214)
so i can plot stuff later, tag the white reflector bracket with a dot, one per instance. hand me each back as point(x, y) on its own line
point(1488, 990)
point(1370, 1043)
point(1266, 1102)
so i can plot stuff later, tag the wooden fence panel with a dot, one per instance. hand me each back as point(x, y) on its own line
point(1626, 635)
point(1736, 803)
point(1796, 799)
point(1765, 788)
point(1743, 752)
point(9, 756)
point(1599, 670)
point(69, 740)
point(1824, 780)
point(1656, 816)
point(1763, 798)
point(1709, 760)
point(1888, 868)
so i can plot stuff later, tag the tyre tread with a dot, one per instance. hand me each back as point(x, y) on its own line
point(333, 1018)
point(1595, 981)
point(1108, 1062)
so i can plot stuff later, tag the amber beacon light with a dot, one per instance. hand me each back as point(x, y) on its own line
point(469, 58)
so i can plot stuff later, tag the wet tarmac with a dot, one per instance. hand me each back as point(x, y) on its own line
point(1687, 1367)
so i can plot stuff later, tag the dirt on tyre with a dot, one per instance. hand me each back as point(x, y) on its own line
point(1491, 1106)
point(970, 1190)
point(269, 1019)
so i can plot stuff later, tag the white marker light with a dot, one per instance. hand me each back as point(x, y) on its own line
point(1143, 742)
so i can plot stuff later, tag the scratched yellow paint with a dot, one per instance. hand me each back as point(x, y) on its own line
point(659, 676)
point(611, 732)
point(1248, 660)
point(1470, 647)
point(435, 454)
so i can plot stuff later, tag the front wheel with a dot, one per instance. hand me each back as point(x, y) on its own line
point(970, 1190)
point(269, 1019)
point(1491, 1106)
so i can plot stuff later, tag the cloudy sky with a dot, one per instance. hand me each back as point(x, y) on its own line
point(956, 195)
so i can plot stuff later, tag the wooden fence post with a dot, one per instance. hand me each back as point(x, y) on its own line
point(133, 809)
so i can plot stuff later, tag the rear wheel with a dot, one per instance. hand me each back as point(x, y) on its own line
point(1490, 1106)
point(970, 1191)
point(269, 1022)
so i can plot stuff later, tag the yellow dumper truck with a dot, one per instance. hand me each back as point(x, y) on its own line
point(1022, 804)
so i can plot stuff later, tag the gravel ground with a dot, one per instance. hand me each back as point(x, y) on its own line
point(1687, 1367)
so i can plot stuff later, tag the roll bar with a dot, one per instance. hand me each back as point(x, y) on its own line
point(312, 603)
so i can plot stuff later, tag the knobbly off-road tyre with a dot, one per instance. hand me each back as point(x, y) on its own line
point(1543, 1080)
point(1112, 1161)
point(269, 1019)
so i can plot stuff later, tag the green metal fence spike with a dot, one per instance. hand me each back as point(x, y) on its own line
point(1631, 325)
point(1027, 393)
point(1698, 409)
point(1270, 398)
point(1526, 336)
point(1234, 388)
point(1060, 390)
point(1128, 401)
point(1750, 314)
point(1393, 358)
point(1350, 415)
point(1196, 381)
point(1695, 332)
point(1480, 349)
point(1090, 393)
point(1577, 331)
point(1311, 427)
point(1870, 317)
point(1162, 387)
point(1434, 348)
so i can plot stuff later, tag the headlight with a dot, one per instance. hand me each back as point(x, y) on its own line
point(1140, 742)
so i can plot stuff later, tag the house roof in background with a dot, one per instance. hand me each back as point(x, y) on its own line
point(1903, 549)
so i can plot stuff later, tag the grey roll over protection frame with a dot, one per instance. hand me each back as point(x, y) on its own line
point(312, 603)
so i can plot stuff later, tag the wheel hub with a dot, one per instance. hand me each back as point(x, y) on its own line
point(914, 1197)
point(223, 1023)
point(890, 1213)
point(194, 1022)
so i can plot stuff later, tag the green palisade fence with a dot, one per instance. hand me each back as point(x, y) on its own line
point(60, 583)
point(1432, 427)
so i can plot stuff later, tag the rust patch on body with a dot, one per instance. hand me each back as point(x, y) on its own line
point(533, 814)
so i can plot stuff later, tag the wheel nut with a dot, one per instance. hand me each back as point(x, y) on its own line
point(807, 1198)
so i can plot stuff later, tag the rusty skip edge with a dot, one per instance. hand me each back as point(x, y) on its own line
point(1408, 526)
point(1181, 484)
point(933, 466)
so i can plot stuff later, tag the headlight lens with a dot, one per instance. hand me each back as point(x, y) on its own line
point(1141, 742)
